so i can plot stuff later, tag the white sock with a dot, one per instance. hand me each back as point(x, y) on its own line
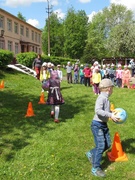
point(52, 108)
point(57, 110)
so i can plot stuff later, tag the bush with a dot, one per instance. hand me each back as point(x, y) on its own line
point(6, 57)
point(26, 58)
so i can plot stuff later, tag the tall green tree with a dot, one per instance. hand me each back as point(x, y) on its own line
point(75, 31)
point(111, 33)
point(56, 36)
point(121, 40)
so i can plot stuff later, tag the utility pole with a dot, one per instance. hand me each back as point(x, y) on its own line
point(49, 12)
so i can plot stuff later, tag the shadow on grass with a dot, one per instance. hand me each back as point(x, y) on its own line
point(16, 129)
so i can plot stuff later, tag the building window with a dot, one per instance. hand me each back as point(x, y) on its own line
point(16, 28)
point(39, 51)
point(35, 37)
point(9, 25)
point(1, 21)
point(33, 48)
point(10, 45)
point(21, 30)
point(1, 44)
point(39, 40)
point(32, 36)
point(16, 48)
point(27, 32)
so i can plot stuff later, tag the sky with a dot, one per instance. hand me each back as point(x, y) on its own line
point(35, 11)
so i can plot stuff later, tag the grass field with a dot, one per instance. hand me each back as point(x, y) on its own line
point(33, 148)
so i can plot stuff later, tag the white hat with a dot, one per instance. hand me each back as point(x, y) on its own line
point(95, 63)
point(119, 65)
point(49, 64)
point(104, 65)
point(125, 66)
point(68, 62)
point(81, 65)
point(44, 64)
point(112, 65)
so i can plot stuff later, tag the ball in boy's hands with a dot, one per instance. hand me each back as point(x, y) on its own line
point(121, 114)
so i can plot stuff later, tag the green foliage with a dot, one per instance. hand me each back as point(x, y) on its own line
point(56, 60)
point(6, 57)
point(26, 58)
point(20, 16)
point(37, 148)
point(75, 33)
point(111, 33)
point(56, 30)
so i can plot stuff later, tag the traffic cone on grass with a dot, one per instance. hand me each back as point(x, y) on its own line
point(2, 84)
point(30, 111)
point(117, 153)
point(42, 100)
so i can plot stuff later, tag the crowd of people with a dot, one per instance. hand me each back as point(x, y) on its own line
point(91, 76)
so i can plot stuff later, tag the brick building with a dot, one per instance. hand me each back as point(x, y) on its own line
point(17, 35)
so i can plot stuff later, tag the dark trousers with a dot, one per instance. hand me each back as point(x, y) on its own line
point(69, 77)
point(86, 81)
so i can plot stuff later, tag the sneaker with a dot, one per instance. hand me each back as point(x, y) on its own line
point(89, 156)
point(56, 121)
point(52, 114)
point(98, 172)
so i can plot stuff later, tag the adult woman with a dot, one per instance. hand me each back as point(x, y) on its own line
point(36, 65)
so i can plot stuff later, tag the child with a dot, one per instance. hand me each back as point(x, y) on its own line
point(87, 75)
point(119, 76)
point(99, 127)
point(112, 73)
point(76, 73)
point(96, 78)
point(60, 74)
point(44, 73)
point(54, 96)
point(81, 74)
point(126, 75)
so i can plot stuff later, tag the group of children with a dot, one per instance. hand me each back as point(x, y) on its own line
point(55, 98)
point(119, 76)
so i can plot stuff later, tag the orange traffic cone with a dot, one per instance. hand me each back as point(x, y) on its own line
point(2, 84)
point(30, 111)
point(117, 153)
point(42, 101)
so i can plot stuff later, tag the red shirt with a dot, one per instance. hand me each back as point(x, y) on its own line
point(87, 72)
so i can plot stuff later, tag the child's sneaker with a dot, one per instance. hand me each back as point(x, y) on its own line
point(56, 121)
point(98, 172)
point(89, 156)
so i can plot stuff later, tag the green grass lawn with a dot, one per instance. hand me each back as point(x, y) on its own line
point(37, 148)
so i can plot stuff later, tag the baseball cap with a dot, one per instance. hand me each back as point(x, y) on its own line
point(105, 83)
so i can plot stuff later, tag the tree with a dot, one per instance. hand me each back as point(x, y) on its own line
point(20, 16)
point(111, 33)
point(75, 31)
point(56, 36)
